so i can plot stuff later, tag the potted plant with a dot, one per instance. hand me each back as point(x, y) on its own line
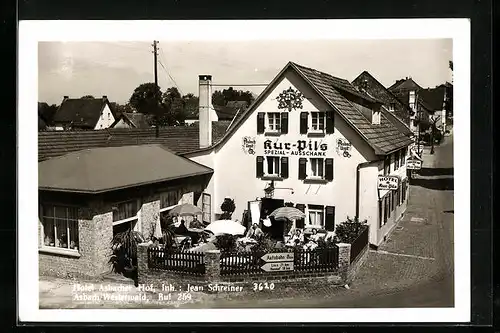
point(124, 246)
point(348, 231)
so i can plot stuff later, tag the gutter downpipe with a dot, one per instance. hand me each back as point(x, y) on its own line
point(361, 165)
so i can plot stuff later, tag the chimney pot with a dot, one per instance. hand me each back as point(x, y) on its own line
point(66, 97)
point(205, 77)
point(105, 97)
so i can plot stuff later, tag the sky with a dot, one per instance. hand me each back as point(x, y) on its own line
point(115, 69)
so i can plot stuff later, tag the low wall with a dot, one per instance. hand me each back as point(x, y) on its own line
point(212, 276)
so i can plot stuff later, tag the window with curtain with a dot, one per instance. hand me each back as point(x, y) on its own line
point(317, 167)
point(273, 166)
point(60, 227)
point(316, 216)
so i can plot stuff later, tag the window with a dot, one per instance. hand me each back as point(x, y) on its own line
point(396, 160)
point(60, 227)
point(403, 156)
point(317, 168)
point(380, 213)
point(392, 107)
point(125, 211)
point(273, 166)
point(317, 121)
point(206, 207)
point(274, 121)
point(316, 215)
point(170, 198)
point(387, 165)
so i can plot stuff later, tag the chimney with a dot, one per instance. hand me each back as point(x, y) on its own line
point(206, 111)
point(66, 97)
point(104, 97)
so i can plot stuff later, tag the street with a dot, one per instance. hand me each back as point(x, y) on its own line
point(413, 268)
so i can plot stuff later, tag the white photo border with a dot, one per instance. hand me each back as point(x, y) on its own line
point(32, 32)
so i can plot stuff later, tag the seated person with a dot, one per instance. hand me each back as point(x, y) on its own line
point(315, 236)
point(196, 224)
point(297, 238)
point(181, 229)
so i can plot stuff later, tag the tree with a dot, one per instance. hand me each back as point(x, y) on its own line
point(47, 111)
point(173, 108)
point(146, 99)
point(191, 105)
point(220, 98)
point(450, 64)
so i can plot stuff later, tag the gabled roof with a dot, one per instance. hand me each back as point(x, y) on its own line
point(136, 119)
point(179, 139)
point(80, 112)
point(405, 84)
point(384, 138)
point(100, 170)
point(433, 97)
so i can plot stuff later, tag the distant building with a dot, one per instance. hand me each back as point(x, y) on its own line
point(83, 114)
point(228, 112)
point(438, 100)
point(132, 120)
point(408, 91)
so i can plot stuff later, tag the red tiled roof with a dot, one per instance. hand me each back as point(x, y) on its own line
point(179, 139)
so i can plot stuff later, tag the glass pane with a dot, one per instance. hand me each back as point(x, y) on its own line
point(313, 167)
point(61, 233)
point(73, 213)
point(48, 232)
point(312, 217)
point(320, 168)
point(276, 165)
point(61, 212)
point(48, 211)
point(320, 218)
point(269, 165)
point(73, 235)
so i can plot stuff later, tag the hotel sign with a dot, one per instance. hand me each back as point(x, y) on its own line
point(413, 164)
point(298, 148)
point(388, 182)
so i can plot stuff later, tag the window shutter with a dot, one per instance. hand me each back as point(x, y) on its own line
point(300, 223)
point(260, 166)
point(260, 122)
point(329, 218)
point(329, 169)
point(303, 122)
point(284, 167)
point(284, 122)
point(330, 124)
point(302, 168)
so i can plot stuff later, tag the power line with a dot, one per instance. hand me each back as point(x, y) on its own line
point(166, 70)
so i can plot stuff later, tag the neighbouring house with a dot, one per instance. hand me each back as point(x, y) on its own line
point(42, 125)
point(438, 99)
point(132, 120)
point(87, 196)
point(229, 112)
point(369, 84)
point(408, 91)
point(83, 114)
point(314, 140)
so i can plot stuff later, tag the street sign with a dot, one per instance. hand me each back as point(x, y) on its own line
point(413, 164)
point(278, 266)
point(388, 182)
point(278, 257)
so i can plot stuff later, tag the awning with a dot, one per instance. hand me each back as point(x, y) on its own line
point(100, 170)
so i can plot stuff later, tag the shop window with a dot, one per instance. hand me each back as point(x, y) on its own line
point(170, 198)
point(60, 227)
point(316, 215)
point(206, 208)
point(273, 122)
point(125, 211)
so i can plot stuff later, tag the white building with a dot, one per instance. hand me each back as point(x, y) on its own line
point(84, 114)
point(313, 140)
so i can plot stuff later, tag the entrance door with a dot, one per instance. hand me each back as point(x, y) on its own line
point(277, 228)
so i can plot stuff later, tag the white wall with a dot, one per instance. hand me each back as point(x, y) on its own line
point(122, 124)
point(106, 119)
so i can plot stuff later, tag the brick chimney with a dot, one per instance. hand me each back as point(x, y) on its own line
point(206, 111)
point(65, 97)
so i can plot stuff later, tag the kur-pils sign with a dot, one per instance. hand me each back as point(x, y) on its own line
point(388, 182)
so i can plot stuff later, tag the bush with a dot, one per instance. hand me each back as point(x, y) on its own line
point(348, 231)
point(225, 242)
point(265, 244)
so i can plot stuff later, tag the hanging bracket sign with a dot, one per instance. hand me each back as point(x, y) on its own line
point(388, 182)
point(413, 164)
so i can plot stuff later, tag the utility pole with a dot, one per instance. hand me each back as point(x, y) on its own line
point(155, 52)
point(418, 123)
